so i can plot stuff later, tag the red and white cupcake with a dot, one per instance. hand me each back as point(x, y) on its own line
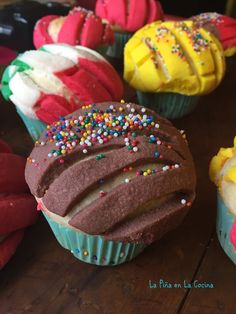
point(79, 27)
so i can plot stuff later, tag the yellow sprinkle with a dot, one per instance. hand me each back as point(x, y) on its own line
point(153, 123)
point(89, 132)
point(145, 174)
point(85, 253)
point(63, 151)
point(122, 101)
point(149, 171)
point(121, 109)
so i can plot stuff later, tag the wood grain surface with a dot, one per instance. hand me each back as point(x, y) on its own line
point(43, 277)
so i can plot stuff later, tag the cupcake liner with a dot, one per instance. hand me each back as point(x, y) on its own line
point(94, 249)
point(224, 223)
point(34, 127)
point(168, 105)
point(117, 49)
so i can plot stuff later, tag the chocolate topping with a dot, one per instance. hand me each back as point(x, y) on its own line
point(114, 169)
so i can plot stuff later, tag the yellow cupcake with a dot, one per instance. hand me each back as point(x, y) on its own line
point(174, 57)
point(223, 173)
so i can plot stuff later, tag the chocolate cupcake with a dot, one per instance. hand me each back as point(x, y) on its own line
point(111, 178)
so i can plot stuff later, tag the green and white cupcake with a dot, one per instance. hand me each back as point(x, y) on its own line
point(109, 182)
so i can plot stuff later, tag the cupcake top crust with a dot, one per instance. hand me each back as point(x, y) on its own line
point(113, 169)
point(79, 27)
point(129, 15)
point(57, 79)
point(174, 57)
point(223, 26)
point(223, 174)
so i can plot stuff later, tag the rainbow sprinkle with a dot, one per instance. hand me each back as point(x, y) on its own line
point(97, 126)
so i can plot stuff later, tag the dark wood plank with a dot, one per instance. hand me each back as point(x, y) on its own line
point(218, 269)
point(44, 278)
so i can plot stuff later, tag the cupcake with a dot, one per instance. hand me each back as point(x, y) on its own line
point(171, 64)
point(17, 206)
point(125, 18)
point(55, 81)
point(224, 27)
point(79, 27)
point(110, 179)
point(223, 174)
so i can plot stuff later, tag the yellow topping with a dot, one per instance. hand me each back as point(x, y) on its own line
point(174, 57)
point(229, 52)
point(231, 174)
point(219, 161)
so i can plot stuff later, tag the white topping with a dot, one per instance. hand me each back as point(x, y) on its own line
point(25, 93)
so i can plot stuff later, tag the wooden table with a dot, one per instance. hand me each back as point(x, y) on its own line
point(42, 277)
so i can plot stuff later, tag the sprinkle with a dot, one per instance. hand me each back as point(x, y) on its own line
point(85, 253)
point(157, 125)
point(183, 201)
point(102, 194)
point(122, 254)
point(127, 180)
point(100, 156)
point(165, 168)
point(156, 154)
point(122, 101)
point(96, 126)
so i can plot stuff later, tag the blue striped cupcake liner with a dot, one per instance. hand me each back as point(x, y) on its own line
point(93, 249)
point(34, 127)
point(224, 223)
point(168, 105)
point(117, 49)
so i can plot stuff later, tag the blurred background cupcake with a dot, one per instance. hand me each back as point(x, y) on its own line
point(171, 64)
point(125, 18)
point(17, 205)
point(79, 27)
point(56, 80)
point(223, 174)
